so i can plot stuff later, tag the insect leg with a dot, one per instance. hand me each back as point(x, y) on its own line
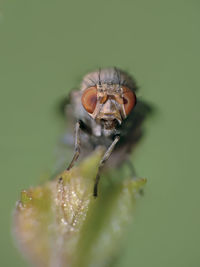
point(133, 173)
point(77, 145)
point(102, 162)
point(131, 168)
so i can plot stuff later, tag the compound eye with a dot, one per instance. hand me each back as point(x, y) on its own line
point(129, 99)
point(89, 99)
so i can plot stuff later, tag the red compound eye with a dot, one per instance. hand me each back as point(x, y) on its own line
point(129, 99)
point(89, 99)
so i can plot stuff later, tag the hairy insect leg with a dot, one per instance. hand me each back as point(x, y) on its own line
point(77, 146)
point(102, 162)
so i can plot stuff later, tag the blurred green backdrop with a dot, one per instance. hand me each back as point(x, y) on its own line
point(46, 47)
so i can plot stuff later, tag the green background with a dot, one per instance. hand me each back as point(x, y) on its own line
point(45, 48)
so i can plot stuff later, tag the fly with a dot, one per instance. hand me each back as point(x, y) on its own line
point(106, 112)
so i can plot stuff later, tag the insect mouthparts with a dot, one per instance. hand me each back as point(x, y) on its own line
point(109, 124)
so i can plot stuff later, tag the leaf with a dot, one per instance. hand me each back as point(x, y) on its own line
point(60, 223)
